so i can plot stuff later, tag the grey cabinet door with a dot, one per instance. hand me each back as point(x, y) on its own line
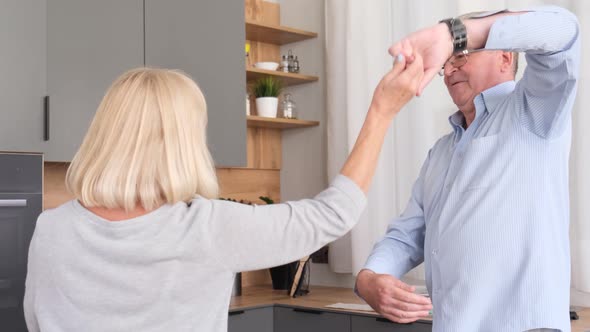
point(372, 324)
point(22, 66)
point(89, 44)
point(21, 198)
point(251, 320)
point(205, 39)
point(309, 320)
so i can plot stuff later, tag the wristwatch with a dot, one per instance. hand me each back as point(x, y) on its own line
point(458, 33)
point(458, 30)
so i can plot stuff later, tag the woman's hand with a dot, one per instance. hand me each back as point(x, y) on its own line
point(399, 85)
point(392, 298)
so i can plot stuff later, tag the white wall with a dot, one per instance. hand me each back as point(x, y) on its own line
point(304, 150)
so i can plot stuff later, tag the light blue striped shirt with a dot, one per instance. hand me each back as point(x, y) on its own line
point(489, 213)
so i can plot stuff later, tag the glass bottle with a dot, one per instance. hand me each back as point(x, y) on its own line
point(285, 64)
point(288, 107)
point(296, 65)
point(290, 61)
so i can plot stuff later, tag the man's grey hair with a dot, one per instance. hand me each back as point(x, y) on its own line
point(515, 63)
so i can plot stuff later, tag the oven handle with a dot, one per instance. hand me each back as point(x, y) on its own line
point(13, 202)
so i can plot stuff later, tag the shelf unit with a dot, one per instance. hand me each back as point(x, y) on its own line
point(265, 34)
point(268, 36)
point(275, 34)
point(287, 79)
point(279, 123)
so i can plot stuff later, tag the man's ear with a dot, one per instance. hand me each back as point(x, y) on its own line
point(507, 59)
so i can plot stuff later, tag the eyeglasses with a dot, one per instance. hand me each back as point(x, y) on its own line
point(457, 60)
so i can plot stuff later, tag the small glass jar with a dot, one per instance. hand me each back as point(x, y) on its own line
point(290, 59)
point(288, 107)
point(285, 64)
point(295, 67)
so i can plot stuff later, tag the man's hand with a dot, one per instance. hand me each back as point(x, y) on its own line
point(392, 298)
point(435, 46)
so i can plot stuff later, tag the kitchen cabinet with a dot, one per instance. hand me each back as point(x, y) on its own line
point(309, 320)
point(22, 64)
point(71, 51)
point(378, 324)
point(89, 44)
point(205, 39)
point(251, 320)
point(281, 318)
point(21, 185)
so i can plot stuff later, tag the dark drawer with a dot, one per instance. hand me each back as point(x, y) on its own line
point(309, 320)
point(251, 320)
point(21, 173)
point(372, 324)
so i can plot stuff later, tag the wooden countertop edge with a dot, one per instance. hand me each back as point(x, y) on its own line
point(320, 296)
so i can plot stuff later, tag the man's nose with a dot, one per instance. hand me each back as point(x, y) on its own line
point(449, 69)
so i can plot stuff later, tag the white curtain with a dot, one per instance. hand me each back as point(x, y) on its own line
point(358, 34)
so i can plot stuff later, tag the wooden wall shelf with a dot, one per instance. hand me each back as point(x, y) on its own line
point(274, 34)
point(279, 123)
point(288, 79)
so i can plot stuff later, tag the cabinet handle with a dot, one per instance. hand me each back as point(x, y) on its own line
point(237, 312)
point(46, 118)
point(13, 202)
point(308, 311)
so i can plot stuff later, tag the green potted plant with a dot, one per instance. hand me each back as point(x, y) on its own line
point(266, 90)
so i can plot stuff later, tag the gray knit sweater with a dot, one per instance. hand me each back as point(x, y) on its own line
point(173, 268)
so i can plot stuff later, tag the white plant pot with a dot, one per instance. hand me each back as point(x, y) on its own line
point(267, 106)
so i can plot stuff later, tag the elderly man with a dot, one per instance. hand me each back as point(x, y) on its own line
point(489, 212)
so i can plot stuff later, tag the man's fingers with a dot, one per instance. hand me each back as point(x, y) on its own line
point(409, 297)
point(399, 63)
point(408, 314)
point(408, 306)
point(395, 49)
point(400, 320)
point(428, 76)
point(416, 69)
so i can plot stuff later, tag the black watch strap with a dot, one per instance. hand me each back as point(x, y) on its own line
point(458, 33)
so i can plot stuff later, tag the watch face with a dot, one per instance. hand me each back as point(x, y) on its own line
point(458, 33)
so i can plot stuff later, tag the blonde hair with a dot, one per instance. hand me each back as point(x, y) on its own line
point(146, 144)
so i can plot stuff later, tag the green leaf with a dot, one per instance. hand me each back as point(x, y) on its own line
point(266, 86)
point(267, 200)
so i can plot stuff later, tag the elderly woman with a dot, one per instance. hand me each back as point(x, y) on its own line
point(145, 246)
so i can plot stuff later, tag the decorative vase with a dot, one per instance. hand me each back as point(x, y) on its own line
point(267, 106)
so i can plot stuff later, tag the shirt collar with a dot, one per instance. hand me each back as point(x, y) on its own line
point(487, 100)
point(494, 96)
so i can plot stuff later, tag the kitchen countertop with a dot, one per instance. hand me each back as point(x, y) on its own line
point(319, 297)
